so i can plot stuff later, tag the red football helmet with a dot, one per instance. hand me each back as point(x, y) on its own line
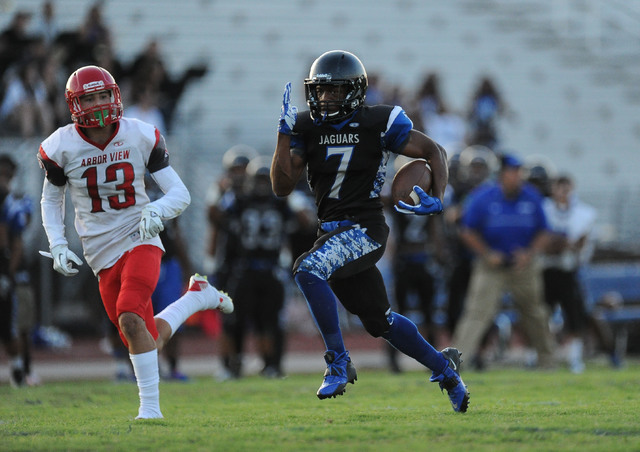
point(91, 79)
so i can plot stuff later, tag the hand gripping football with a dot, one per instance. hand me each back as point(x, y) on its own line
point(414, 172)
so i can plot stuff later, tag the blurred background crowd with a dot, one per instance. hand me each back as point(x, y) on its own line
point(553, 83)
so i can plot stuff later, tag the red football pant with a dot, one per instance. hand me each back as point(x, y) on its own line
point(128, 285)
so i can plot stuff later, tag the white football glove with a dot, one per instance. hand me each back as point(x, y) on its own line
point(62, 259)
point(150, 222)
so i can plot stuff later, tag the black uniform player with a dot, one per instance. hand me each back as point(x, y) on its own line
point(259, 220)
point(345, 147)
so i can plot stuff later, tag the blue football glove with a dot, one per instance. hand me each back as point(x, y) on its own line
point(288, 113)
point(429, 205)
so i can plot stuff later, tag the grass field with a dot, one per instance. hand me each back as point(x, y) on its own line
point(511, 409)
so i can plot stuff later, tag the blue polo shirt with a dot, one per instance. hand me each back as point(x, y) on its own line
point(505, 224)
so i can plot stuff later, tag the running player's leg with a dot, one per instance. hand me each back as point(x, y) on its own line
point(126, 290)
point(364, 295)
point(341, 251)
point(200, 296)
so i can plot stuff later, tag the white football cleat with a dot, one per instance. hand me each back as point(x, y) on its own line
point(217, 300)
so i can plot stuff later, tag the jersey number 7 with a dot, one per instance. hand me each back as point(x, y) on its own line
point(345, 157)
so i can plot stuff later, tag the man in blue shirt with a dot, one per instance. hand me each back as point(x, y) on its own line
point(505, 227)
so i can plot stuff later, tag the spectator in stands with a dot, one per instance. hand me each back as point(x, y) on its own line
point(103, 56)
point(93, 32)
point(436, 118)
point(571, 245)
point(15, 41)
point(505, 227)
point(25, 107)
point(149, 70)
point(430, 99)
point(145, 109)
point(46, 24)
point(53, 75)
point(486, 107)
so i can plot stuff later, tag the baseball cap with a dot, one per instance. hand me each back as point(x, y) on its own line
point(510, 161)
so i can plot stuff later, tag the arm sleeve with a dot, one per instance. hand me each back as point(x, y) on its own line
point(52, 208)
point(176, 195)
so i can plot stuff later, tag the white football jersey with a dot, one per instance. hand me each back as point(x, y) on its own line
point(106, 184)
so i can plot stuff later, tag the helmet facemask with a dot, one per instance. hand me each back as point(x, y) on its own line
point(333, 110)
point(98, 115)
point(336, 68)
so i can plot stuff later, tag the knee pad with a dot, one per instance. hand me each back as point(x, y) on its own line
point(376, 326)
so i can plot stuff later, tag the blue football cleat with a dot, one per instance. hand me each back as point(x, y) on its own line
point(340, 371)
point(450, 380)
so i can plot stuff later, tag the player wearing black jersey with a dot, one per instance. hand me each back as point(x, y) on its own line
point(260, 221)
point(345, 146)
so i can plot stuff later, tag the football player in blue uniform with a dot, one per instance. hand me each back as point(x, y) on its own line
point(344, 146)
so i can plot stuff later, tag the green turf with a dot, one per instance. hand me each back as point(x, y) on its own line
point(511, 409)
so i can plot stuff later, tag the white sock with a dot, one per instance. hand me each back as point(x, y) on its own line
point(180, 310)
point(575, 351)
point(145, 367)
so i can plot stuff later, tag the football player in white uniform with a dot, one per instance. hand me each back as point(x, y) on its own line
point(101, 159)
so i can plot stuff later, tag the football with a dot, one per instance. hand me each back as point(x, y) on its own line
point(414, 172)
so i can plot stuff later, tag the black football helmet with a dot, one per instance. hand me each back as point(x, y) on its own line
point(336, 67)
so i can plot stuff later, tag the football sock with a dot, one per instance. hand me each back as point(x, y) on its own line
point(404, 336)
point(145, 367)
point(180, 310)
point(324, 309)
